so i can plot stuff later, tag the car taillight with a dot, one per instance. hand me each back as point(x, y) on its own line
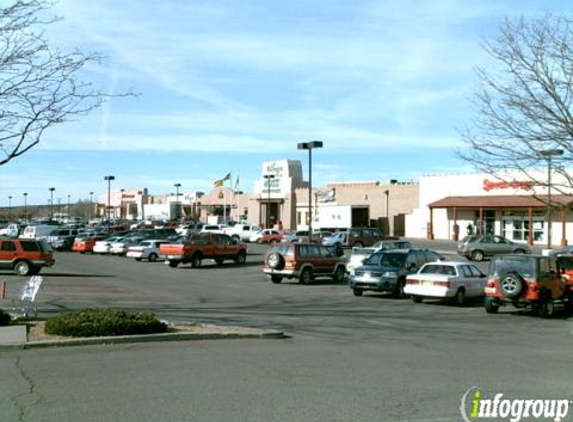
point(491, 282)
point(412, 281)
point(442, 283)
point(532, 286)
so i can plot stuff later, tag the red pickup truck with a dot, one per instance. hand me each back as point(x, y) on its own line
point(197, 247)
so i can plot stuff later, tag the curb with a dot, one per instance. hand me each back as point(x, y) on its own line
point(145, 338)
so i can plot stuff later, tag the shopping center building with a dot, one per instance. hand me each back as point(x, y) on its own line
point(514, 207)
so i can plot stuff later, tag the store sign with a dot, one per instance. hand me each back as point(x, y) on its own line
point(275, 168)
point(515, 184)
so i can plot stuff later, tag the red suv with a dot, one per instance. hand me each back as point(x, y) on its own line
point(526, 281)
point(25, 256)
point(304, 261)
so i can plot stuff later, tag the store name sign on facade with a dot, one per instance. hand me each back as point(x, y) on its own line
point(515, 184)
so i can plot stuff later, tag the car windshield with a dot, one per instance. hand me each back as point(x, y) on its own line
point(438, 269)
point(386, 259)
point(524, 266)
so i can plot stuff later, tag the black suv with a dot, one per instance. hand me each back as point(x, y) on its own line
point(386, 271)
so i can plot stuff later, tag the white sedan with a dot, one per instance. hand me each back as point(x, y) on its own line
point(104, 246)
point(147, 249)
point(454, 280)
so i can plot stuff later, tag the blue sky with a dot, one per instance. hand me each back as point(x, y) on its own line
point(225, 85)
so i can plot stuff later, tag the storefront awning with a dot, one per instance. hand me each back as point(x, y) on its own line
point(499, 201)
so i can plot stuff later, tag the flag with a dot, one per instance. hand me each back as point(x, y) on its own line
point(219, 183)
point(236, 183)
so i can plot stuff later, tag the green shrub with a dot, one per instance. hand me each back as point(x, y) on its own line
point(104, 322)
point(4, 318)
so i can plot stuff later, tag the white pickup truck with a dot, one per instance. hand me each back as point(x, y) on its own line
point(242, 232)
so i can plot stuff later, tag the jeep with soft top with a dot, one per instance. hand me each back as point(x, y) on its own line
point(526, 281)
point(303, 261)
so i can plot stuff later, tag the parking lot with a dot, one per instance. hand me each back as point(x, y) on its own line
point(348, 358)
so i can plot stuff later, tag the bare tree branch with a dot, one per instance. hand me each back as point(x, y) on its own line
point(39, 86)
point(524, 107)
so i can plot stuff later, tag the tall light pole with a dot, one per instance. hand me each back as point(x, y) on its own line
point(68, 210)
point(177, 206)
point(109, 179)
point(268, 177)
point(310, 146)
point(91, 205)
point(121, 205)
point(25, 207)
point(10, 208)
point(548, 155)
point(52, 203)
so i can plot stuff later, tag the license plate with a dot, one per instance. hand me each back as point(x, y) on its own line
point(490, 290)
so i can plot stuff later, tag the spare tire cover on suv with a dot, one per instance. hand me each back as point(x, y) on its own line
point(511, 284)
point(275, 261)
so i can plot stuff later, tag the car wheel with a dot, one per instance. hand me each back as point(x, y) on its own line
point(491, 305)
point(276, 261)
point(398, 292)
point(306, 276)
point(357, 292)
point(547, 306)
point(219, 261)
point(236, 237)
point(172, 263)
point(22, 268)
point(358, 245)
point(511, 284)
point(519, 251)
point(197, 260)
point(241, 258)
point(417, 299)
point(477, 255)
point(276, 278)
point(152, 257)
point(339, 274)
point(460, 297)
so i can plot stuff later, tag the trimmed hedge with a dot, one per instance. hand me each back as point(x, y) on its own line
point(4, 318)
point(104, 322)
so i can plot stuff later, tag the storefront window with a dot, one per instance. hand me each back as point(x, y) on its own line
point(515, 226)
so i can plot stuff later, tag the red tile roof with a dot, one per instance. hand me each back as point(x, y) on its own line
point(499, 201)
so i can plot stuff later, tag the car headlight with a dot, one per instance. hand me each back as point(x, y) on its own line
point(389, 274)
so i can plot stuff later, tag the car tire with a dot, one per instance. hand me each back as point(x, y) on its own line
point(275, 278)
point(196, 260)
point(357, 292)
point(477, 255)
point(357, 245)
point(520, 251)
point(241, 258)
point(511, 285)
point(273, 242)
point(460, 297)
point(276, 261)
point(152, 257)
point(22, 268)
point(236, 237)
point(305, 276)
point(417, 299)
point(219, 261)
point(546, 306)
point(398, 292)
point(173, 263)
point(491, 305)
point(339, 274)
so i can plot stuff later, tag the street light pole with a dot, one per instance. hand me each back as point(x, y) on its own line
point(10, 208)
point(68, 210)
point(549, 154)
point(52, 203)
point(121, 205)
point(25, 207)
point(109, 179)
point(177, 206)
point(268, 177)
point(310, 146)
point(91, 205)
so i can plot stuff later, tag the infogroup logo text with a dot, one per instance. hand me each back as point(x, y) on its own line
point(475, 407)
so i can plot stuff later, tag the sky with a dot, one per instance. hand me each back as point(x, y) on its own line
point(224, 85)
